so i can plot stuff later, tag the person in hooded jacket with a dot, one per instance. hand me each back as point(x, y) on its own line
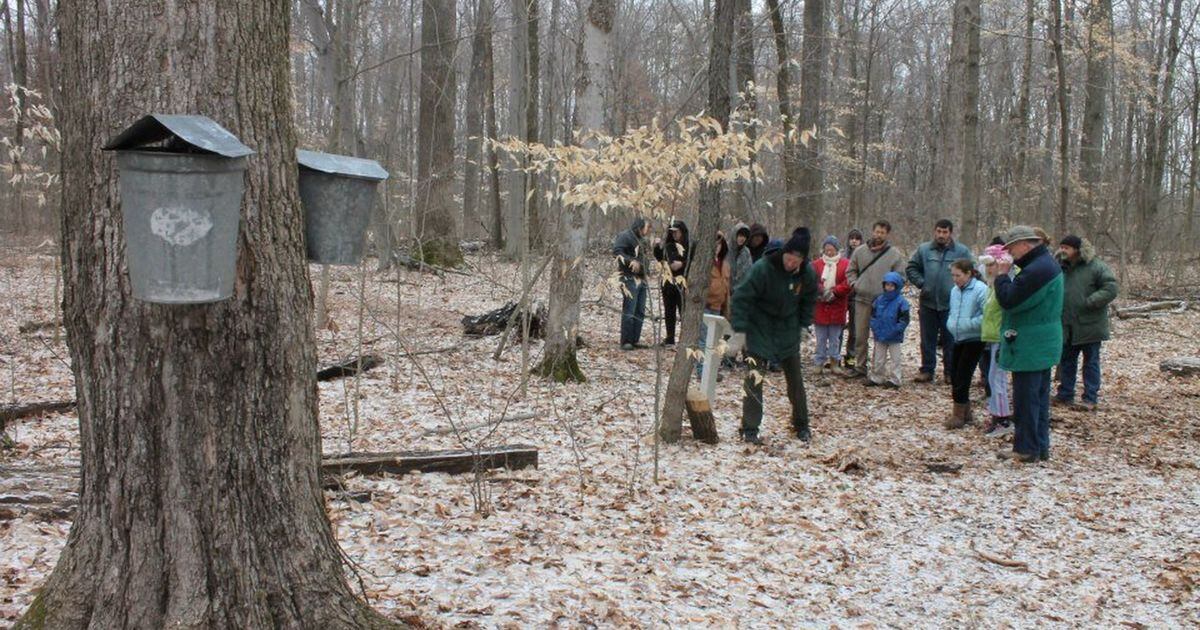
point(832, 304)
point(889, 320)
point(739, 254)
point(1089, 286)
point(772, 306)
point(999, 400)
point(965, 321)
point(758, 241)
point(675, 252)
point(630, 252)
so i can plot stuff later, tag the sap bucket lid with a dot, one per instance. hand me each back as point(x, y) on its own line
point(182, 133)
point(345, 165)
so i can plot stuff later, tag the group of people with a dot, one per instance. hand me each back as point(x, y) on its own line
point(1013, 313)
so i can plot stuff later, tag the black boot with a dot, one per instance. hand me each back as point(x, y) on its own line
point(801, 431)
point(751, 437)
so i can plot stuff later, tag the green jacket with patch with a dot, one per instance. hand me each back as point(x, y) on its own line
point(771, 306)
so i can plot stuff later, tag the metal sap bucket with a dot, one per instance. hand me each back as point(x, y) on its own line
point(181, 207)
point(338, 193)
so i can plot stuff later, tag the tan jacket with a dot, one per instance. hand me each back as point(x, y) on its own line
point(868, 286)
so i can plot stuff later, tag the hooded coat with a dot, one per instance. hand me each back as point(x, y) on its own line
point(757, 251)
point(1089, 286)
point(965, 321)
point(627, 248)
point(890, 311)
point(739, 255)
point(673, 251)
point(771, 306)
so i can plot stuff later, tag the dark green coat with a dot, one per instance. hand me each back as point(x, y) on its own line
point(771, 306)
point(1089, 287)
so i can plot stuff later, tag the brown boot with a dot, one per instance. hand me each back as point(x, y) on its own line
point(957, 419)
point(968, 416)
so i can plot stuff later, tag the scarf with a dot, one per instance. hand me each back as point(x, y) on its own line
point(829, 274)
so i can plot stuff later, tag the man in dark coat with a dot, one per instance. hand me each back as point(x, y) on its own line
point(1089, 286)
point(929, 271)
point(772, 306)
point(630, 252)
point(676, 253)
point(757, 243)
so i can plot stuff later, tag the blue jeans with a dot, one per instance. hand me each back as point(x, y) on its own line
point(633, 309)
point(829, 343)
point(1031, 413)
point(933, 334)
point(1070, 367)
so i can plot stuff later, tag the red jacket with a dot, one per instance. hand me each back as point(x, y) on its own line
point(833, 313)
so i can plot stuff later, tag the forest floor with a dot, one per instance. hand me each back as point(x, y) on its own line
point(856, 530)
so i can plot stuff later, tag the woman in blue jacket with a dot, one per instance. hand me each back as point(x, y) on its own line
point(965, 323)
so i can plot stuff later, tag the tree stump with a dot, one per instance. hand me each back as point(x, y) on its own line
point(700, 415)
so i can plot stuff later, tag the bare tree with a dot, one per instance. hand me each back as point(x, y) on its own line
point(956, 167)
point(814, 51)
point(435, 207)
point(201, 504)
point(1095, 107)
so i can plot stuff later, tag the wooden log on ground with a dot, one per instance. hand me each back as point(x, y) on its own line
point(32, 327)
point(512, 457)
point(1181, 366)
point(350, 367)
point(52, 493)
point(498, 320)
point(14, 412)
point(700, 415)
point(479, 425)
point(1151, 309)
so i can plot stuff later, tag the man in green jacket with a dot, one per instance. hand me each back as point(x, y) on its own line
point(1031, 338)
point(929, 271)
point(772, 306)
point(1089, 287)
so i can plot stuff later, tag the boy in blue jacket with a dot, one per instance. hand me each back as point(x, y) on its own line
point(889, 320)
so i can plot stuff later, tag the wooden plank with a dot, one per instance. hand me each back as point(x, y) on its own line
point(1181, 366)
point(512, 457)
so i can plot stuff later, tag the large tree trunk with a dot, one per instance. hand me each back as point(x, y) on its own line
point(474, 113)
point(200, 504)
point(1021, 118)
point(518, 102)
point(592, 90)
point(1091, 141)
point(956, 173)
point(746, 205)
point(436, 231)
point(1064, 120)
point(808, 205)
point(704, 237)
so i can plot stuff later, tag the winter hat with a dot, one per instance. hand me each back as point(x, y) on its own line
point(1020, 233)
point(799, 242)
point(995, 253)
point(855, 234)
point(1072, 241)
point(895, 279)
point(831, 240)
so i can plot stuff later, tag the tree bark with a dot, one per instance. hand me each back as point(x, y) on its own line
point(1161, 116)
point(704, 237)
point(1021, 118)
point(200, 503)
point(783, 86)
point(592, 90)
point(1091, 140)
point(518, 103)
point(474, 114)
point(813, 51)
point(746, 202)
point(956, 174)
point(1064, 119)
point(437, 234)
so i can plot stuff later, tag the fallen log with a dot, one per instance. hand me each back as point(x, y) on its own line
point(53, 493)
point(1152, 309)
point(32, 327)
point(512, 457)
point(13, 412)
point(498, 320)
point(350, 367)
point(1181, 366)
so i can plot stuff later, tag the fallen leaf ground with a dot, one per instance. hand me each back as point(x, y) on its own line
point(855, 530)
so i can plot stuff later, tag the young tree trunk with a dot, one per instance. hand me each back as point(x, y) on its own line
point(533, 221)
point(1091, 140)
point(1064, 120)
point(813, 52)
point(1021, 119)
point(436, 230)
point(560, 362)
point(474, 114)
point(704, 237)
point(1193, 167)
point(783, 86)
point(200, 504)
point(1162, 118)
point(970, 129)
point(489, 108)
point(746, 203)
